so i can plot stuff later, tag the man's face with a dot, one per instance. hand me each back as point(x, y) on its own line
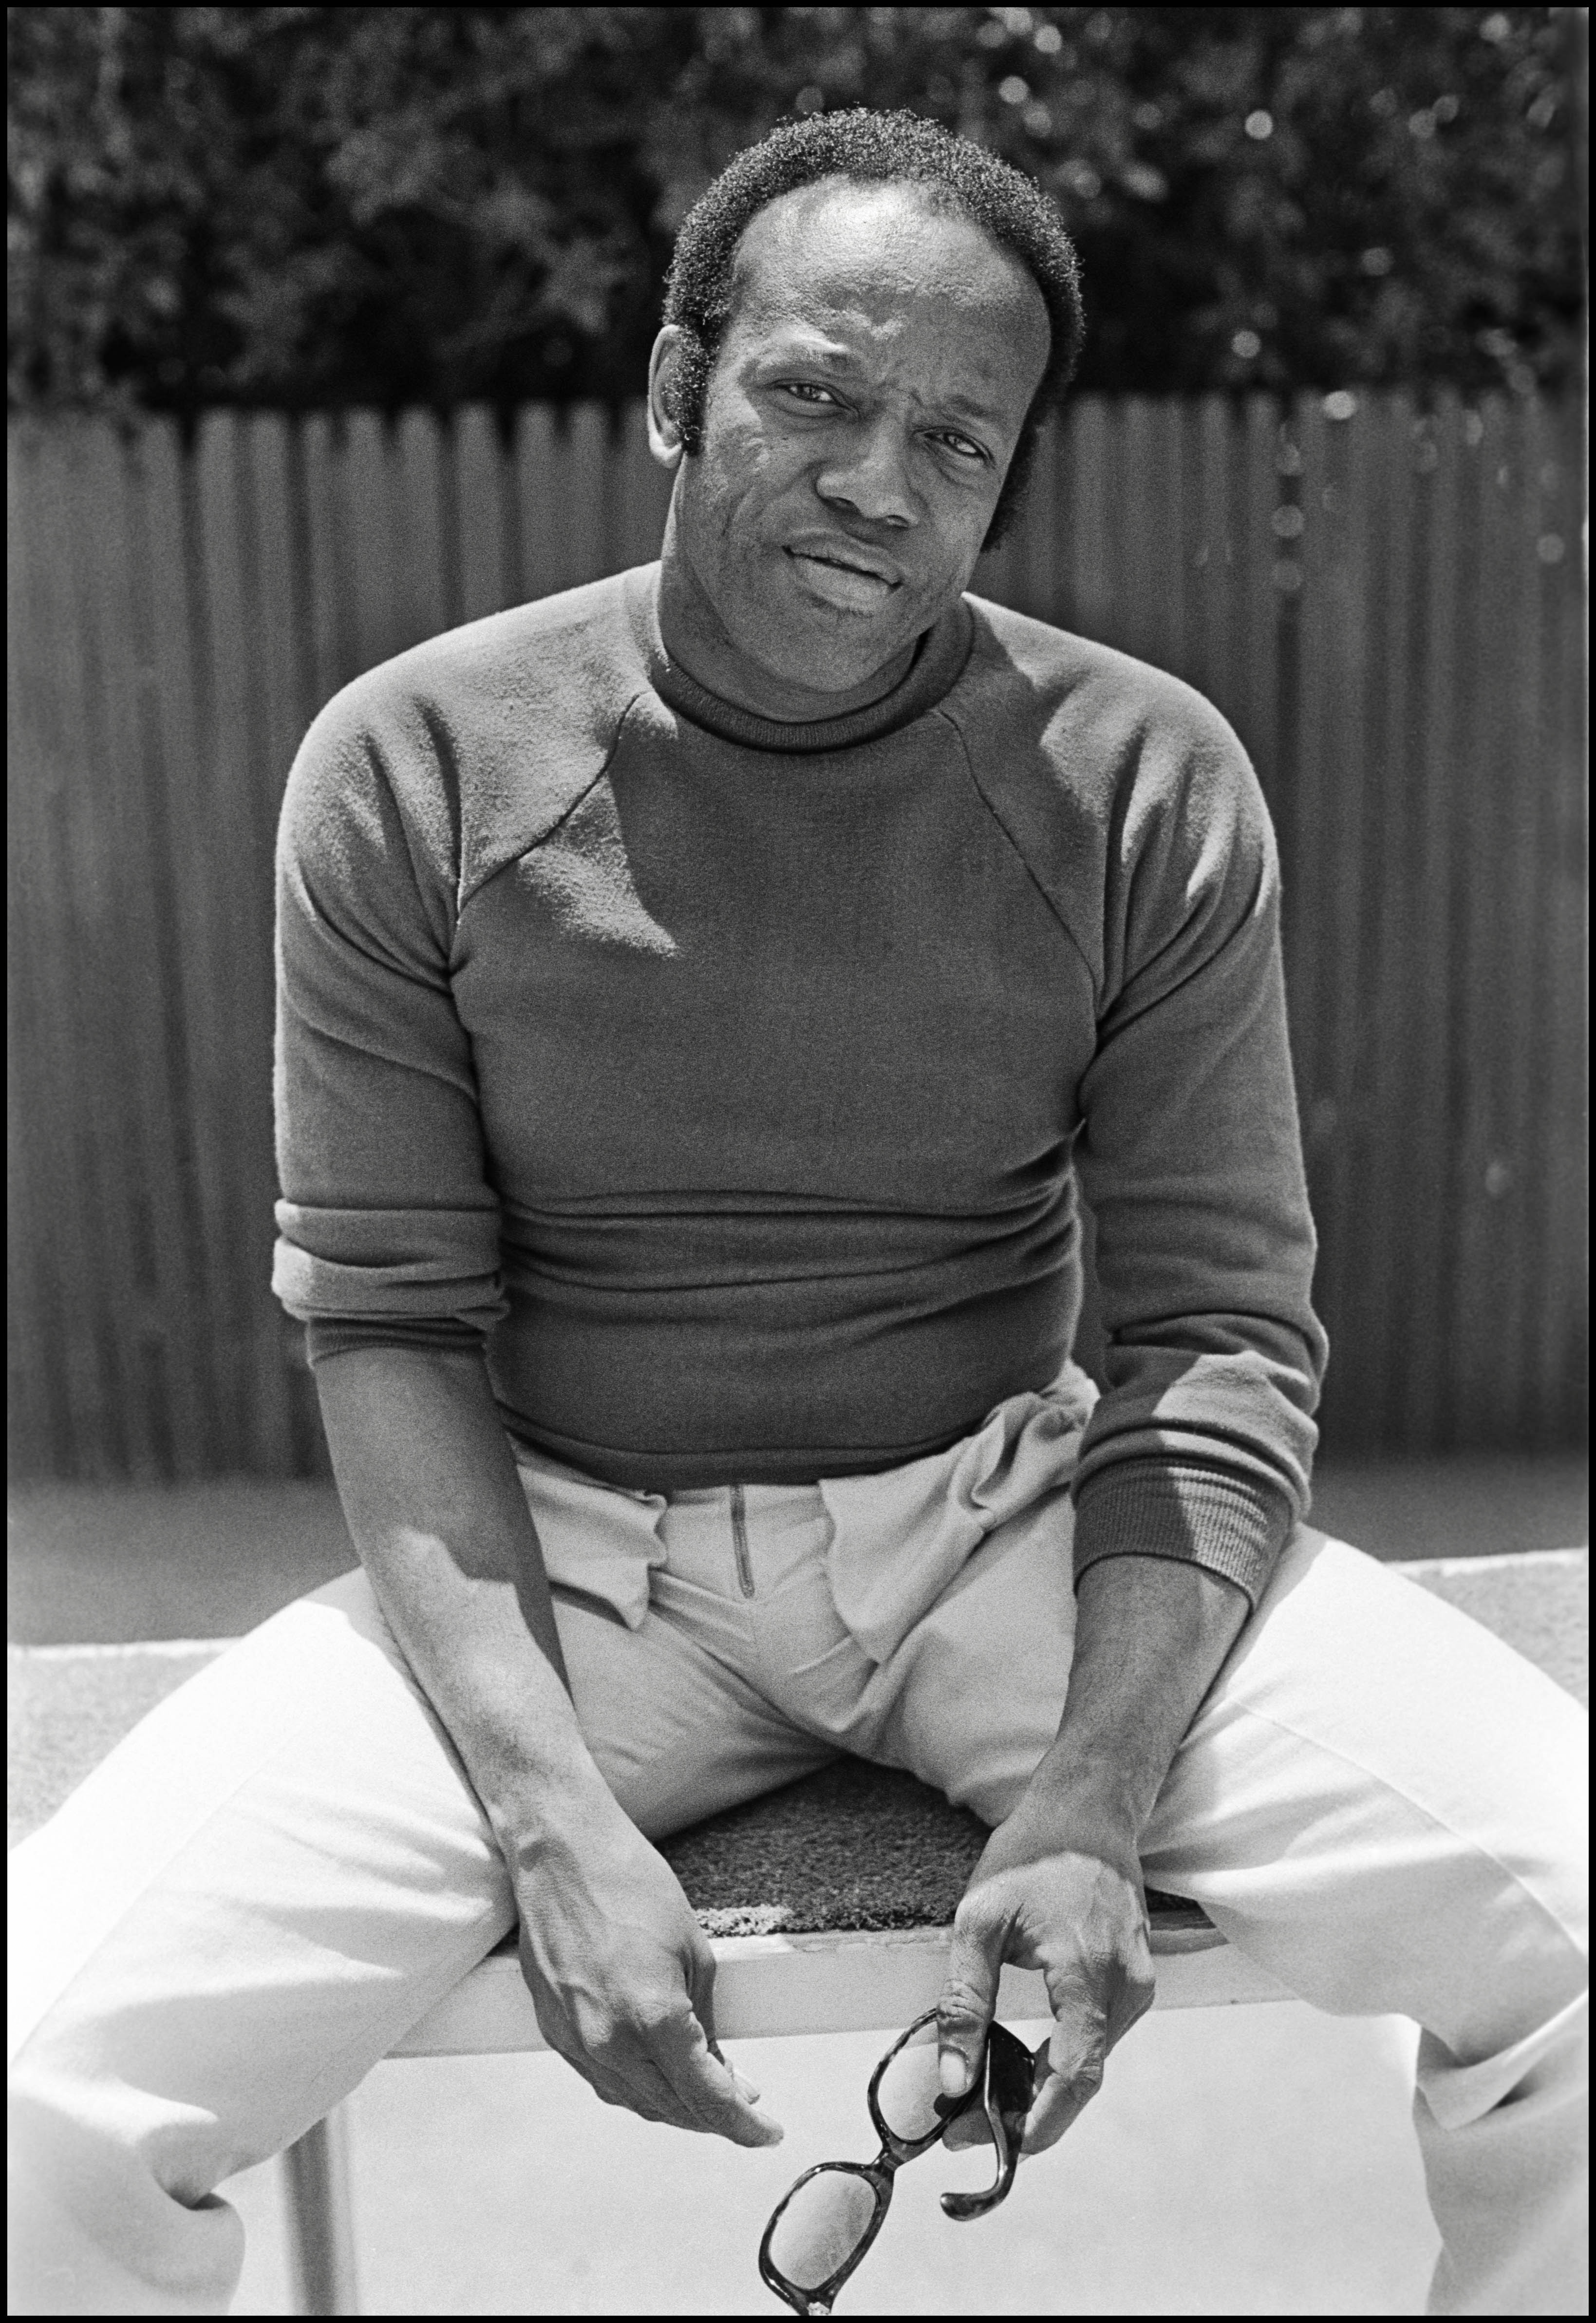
point(863, 409)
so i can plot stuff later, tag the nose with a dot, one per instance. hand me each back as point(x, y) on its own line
point(867, 474)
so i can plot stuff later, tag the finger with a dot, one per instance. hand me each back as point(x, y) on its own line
point(646, 2094)
point(622, 2071)
point(701, 1986)
point(706, 2086)
point(632, 2079)
point(967, 1999)
point(738, 2075)
point(1071, 2074)
point(1135, 1991)
point(698, 1967)
point(968, 2129)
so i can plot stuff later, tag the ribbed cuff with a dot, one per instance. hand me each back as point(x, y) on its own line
point(432, 1331)
point(1211, 1517)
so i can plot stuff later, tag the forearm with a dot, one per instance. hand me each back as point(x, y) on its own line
point(440, 1523)
point(1151, 1635)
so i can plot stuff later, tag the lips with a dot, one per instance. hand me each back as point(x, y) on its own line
point(844, 576)
point(848, 556)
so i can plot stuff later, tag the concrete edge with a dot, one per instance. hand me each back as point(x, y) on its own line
point(144, 1648)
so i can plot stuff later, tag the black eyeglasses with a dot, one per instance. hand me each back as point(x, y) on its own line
point(820, 2230)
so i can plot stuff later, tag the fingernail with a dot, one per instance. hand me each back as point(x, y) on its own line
point(744, 2084)
point(953, 2072)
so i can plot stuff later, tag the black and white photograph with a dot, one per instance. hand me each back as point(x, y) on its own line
point(798, 1348)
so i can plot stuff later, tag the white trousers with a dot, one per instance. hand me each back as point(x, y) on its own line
point(284, 1867)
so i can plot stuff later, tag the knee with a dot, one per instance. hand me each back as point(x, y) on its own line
point(100, 2222)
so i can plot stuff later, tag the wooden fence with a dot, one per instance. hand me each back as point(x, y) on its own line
point(1385, 603)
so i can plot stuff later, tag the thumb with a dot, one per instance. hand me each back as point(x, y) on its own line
point(699, 1977)
point(965, 2009)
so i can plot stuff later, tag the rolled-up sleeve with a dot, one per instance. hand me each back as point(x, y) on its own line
point(1190, 1157)
point(388, 1224)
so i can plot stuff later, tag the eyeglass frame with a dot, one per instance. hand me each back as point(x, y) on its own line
point(1015, 2064)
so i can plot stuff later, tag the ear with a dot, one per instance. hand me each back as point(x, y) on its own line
point(664, 431)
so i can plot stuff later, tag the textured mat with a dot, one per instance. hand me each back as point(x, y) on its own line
point(851, 1847)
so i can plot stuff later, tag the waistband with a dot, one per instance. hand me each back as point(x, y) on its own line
point(898, 1538)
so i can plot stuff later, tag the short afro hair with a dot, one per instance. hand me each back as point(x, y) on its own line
point(866, 148)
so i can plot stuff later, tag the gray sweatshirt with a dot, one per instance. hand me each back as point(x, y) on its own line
point(729, 1081)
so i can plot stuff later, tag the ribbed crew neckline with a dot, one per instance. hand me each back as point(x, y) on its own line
point(939, 661)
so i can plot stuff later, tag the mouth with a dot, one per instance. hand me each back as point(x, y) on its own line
point(855, 584)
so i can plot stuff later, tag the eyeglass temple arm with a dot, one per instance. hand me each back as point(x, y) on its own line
point(1007, 2105)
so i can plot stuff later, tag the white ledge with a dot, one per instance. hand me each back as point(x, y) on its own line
point(843, 1982)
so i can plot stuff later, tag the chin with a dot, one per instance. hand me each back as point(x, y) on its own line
point(828, 662)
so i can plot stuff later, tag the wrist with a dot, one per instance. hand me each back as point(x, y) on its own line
point(1086, 1803)
point(533, 1799)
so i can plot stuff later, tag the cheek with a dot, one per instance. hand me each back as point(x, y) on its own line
point(961, 524)
point(741, 477)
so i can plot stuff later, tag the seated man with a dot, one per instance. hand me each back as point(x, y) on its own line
point(699, 996)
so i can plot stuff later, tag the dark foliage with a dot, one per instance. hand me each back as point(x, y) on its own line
point(315, 207)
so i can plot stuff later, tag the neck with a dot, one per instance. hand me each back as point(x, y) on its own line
point(696, 639)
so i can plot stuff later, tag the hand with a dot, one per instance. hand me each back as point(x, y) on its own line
point(622, 1977)
point(1068, 1902)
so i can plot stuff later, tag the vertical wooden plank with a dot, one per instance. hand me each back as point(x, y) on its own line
point(1338, 753)
point(281, 711)
point(424, 586)
point(1211, 551)
point(37, 1394)
point(1037, 533)
point(1087, 465)
point(571, 526)
point(238, 668)
point(1151, 507)
point(287, 696)
point(1255, 603)
point(540, 458)
point(1351, 993)
point(1424, 1025)
point(202, 964)
point(326, 659)
point(643, 492)
point(1498, 779)
point(1312, 831)
point(487, 582)
point(104, 768)
point(99, 757)
point(330, 634)
point(585, 535)
point(145, 1004)
point(1372, 1361)
point(365, 505)
point(1558, 1353)
point(1282, 550)
point(61, 1412)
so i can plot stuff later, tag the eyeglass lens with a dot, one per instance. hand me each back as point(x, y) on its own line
point(825, 2221)
point(907, 2091)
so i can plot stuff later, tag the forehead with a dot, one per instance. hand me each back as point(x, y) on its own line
point(882, 256)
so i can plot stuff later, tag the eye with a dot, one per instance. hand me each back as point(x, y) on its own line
point(962, 445)
point(807, 390)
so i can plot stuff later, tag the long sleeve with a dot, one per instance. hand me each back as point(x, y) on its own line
point(389, 1228)
point(1190, 1157)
